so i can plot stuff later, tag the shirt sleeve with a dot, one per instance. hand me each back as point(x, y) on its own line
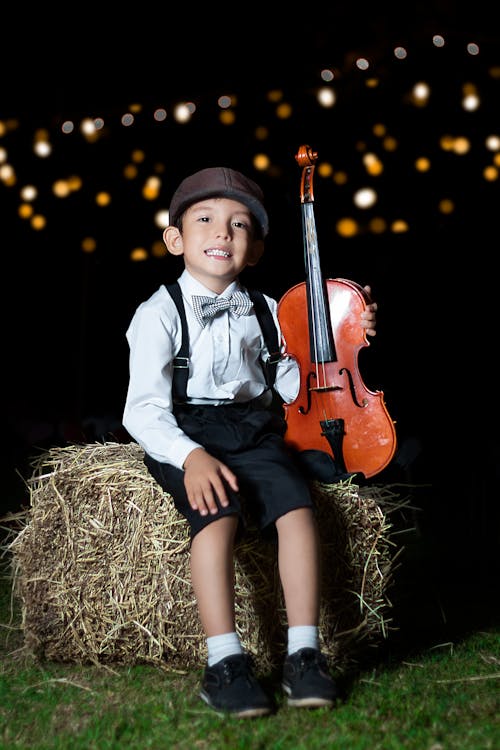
point(154, 337)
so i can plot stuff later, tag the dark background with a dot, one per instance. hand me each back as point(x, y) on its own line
point(66, 312)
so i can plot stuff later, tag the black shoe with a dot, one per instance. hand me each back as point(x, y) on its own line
point(306, 679)
point(230, 686)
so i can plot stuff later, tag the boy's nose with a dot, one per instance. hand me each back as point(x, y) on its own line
point(223, 230)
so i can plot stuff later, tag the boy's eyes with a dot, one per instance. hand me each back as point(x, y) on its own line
point(236, 223)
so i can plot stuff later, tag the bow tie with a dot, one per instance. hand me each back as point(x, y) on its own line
point(206, 307)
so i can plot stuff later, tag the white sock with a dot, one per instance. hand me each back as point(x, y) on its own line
point(220, 646)
point(302, 636)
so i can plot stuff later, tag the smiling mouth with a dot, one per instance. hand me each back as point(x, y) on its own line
point(218, 253)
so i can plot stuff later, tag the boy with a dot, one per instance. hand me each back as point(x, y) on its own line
point(221, 437)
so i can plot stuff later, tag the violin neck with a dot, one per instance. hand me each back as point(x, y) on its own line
point(320, 330)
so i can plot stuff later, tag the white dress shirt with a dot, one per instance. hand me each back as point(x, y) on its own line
point(225, 366)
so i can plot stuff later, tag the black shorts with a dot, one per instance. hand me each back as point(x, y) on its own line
point(248, 439)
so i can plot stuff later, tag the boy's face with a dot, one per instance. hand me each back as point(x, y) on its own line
point(217, 241)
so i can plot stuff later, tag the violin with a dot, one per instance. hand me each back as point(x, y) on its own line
point(320, 320)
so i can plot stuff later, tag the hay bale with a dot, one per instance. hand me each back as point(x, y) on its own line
point(100, 565)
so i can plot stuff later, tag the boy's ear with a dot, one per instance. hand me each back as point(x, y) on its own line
point(173, 240)
point(255, 253)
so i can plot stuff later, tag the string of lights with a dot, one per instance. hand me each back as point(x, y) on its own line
point(387, 130)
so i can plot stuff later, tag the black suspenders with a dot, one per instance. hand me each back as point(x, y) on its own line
point(181, 361)
point(266, 322)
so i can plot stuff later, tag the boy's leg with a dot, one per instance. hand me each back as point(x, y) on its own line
point(229, 685)
point(212, 575)
point(306, 679)
point(299, 565)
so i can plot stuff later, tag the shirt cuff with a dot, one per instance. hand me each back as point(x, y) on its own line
point(180, 450)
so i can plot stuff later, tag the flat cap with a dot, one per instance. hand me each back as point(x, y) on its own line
point(219, 182)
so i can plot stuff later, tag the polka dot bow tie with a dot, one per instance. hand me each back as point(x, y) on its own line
point(207, 307)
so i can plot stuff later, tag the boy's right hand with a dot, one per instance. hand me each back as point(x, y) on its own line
point(203, 475)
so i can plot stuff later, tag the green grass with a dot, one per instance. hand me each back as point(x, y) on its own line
point(443, 697)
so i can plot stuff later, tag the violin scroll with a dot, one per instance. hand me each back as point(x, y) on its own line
point(306, 157)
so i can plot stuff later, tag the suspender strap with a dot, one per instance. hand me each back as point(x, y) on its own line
point(181, 361)
point(270, 333)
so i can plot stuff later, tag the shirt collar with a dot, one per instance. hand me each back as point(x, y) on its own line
point(190, 286)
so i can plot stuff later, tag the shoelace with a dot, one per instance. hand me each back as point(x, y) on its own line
point(238, 668)
point(311, 659)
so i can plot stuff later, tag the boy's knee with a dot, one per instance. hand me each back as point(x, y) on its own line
point(217, 528)
point(302, 514)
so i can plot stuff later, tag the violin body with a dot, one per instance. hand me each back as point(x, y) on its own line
point(359, 433)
